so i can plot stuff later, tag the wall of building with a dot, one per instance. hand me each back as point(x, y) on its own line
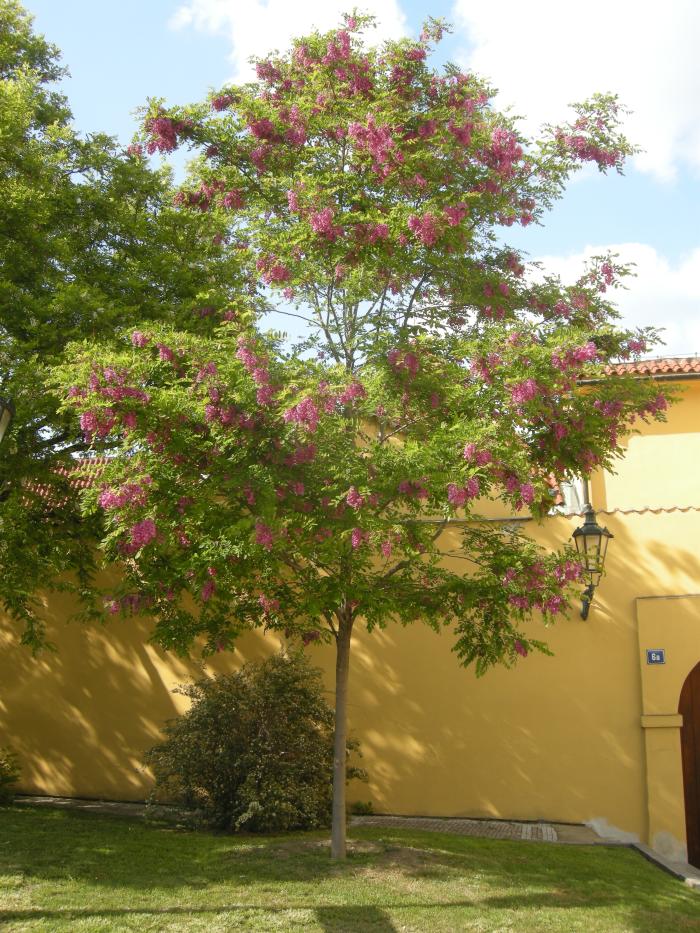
point(659, 468)
point(556, 738)
point(570, 738)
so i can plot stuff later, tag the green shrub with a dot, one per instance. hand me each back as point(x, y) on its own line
point(255, 750)
point(361, 808)
point(9, 774)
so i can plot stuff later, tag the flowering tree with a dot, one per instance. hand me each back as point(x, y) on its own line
point(310, 489)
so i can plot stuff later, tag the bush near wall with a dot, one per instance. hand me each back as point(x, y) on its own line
point(255, 750)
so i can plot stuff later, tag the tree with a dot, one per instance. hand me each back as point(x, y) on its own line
point(310, 488)
point(89, 240)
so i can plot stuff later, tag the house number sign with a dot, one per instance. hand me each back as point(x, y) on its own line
point(656, 655)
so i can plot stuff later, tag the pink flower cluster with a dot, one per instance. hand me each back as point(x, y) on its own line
point(141, 534)
point(636, 346)
point(97, 424)
point(473, 455)
point(607, 274)
point(552, 605)
point(272, 271)
point(163, 134)
point(222, 102)
point(568, 572)
point(527, 494)
point(576, 357)
point(407, 362)
point(413, 489)
point(322, 224)
point(302, 454)
point(338, 48)
point(463, 134)
point(524, 391)
point(266, 71)
point(609, 409)
point(457, 496)
point(258, 368)
point(502, 287)
point(352, 393)
point(503, 152)
point(485, 366)
point(425, 228)
point(264, 536)
point(357, 537)
point(201, 198)
point(587, 151)
point(371, 232)
point(269, 606)
point(232, 199)
point(305, 414)
point(128, 494)
point(657, 405)
point(378, 142)
point(258, 157)
point(514, 264)
point(354, 499)
point(264, 129)
point(455, 215)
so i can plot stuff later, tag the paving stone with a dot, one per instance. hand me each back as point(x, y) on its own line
point(490, 829)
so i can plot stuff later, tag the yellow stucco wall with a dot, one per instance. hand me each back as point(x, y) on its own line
point(660, 466)
point(559, 738)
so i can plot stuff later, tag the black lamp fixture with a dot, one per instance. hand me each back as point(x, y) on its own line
point(591, 544)
point(7, 412)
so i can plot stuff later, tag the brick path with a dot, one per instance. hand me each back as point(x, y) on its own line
point(492, 829)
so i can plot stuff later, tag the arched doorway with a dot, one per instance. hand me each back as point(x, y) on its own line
point(689, 708)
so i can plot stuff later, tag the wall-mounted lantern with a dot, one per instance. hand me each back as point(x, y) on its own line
point(7, 412)
point(591, 544)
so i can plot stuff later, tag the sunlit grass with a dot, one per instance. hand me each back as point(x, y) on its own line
point(63, 871)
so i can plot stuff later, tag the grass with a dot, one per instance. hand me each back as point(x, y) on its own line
point(62, 871)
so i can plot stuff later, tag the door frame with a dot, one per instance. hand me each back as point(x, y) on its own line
point(691, 762)
point(671, 623)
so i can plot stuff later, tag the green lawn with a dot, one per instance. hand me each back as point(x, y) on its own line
point(63, 871)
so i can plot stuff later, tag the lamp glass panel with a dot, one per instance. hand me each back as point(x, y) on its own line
point(592, 552)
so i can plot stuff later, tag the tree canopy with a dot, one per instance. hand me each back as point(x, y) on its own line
point(89, 241)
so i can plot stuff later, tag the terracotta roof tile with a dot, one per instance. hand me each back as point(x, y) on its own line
point(664, 366)
point(81, 475)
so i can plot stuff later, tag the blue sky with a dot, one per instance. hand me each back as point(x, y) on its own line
point(540, 58)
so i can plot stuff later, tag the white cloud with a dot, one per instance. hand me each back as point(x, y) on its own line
point(662, 294)
point(545, 55)
point(256, 27)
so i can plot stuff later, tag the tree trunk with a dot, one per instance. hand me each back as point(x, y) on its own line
point(342, 667)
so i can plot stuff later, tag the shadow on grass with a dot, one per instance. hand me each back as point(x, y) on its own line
point(332, 919)
point(158, 870)
point(359, 919)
